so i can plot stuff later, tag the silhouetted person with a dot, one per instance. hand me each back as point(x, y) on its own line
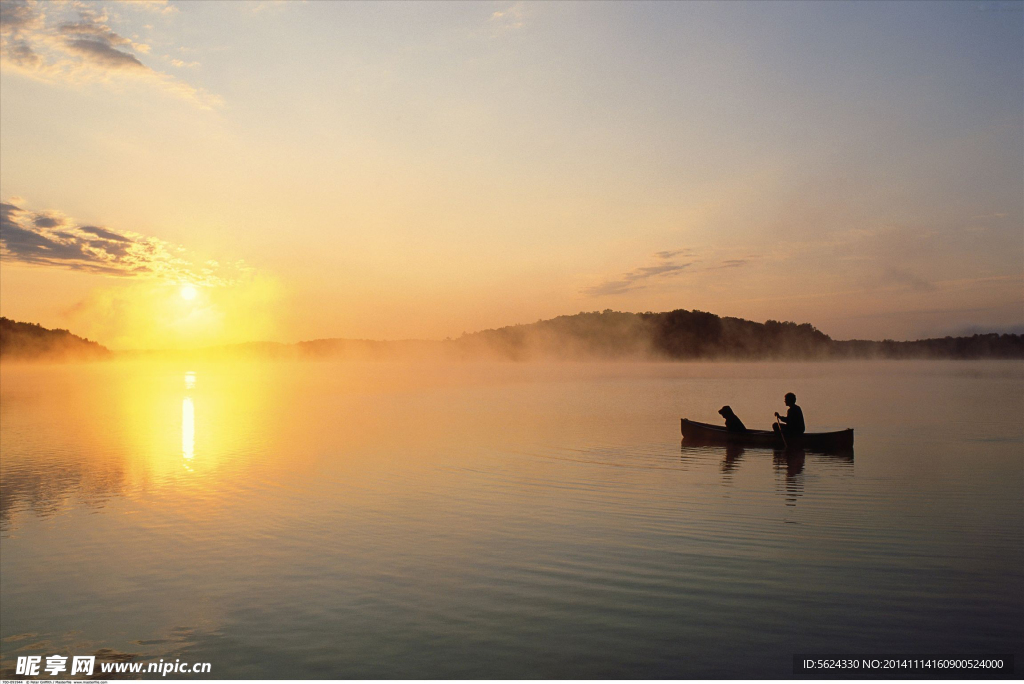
point(793, 421)
point(732, 421)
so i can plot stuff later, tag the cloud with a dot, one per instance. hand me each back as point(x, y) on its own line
point(46, 219)
point(51, 239)
point(81, 49)
point(22, 55)
point(158, 6)
point(672, 253)
point(638, 278)
point(510, 18)
point(104, 234)
point(101, 53)
point(666, 264)
point(903, 277)
point(91, 26)
point(19, 15)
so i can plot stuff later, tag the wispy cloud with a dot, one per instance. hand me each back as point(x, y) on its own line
point(86, 48)
point(668, 254)
point(52, 239)
point(510, 18)
point(158, 6)
point(905, 278)
point(638, 278)
point(666, 263)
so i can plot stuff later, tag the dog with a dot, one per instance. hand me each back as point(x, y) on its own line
point(732, 421)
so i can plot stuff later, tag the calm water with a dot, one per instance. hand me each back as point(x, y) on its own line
point(383, 520)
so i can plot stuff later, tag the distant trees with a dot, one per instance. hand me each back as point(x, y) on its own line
point(988, 346)
point(595, 335)
point(31, 341)
point(678, 334)
point(683, 335)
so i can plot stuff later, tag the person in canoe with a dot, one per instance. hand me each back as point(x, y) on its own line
point(793, 421)
point(732, 421)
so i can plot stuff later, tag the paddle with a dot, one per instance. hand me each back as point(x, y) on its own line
point(784, 445)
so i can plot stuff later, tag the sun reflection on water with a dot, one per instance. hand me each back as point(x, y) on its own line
point(188, 429)
point(188, 422)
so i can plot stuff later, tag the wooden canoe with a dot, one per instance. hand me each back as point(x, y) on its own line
point(703, 433)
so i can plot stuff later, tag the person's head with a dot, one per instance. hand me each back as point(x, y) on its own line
point(726, 411)
point(790, 399)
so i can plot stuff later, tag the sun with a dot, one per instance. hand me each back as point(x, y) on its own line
point(188, 292)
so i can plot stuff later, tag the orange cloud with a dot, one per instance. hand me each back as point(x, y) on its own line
point(52, 239)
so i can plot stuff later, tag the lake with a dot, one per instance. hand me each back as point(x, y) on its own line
point(493, 520)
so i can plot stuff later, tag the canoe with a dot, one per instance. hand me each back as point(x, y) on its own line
point(703, 433)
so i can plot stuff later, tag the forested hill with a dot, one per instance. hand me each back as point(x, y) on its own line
point(685, 334)
point(676, 334)
point(28, 341)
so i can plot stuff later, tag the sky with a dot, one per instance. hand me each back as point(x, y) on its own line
point(189, 173)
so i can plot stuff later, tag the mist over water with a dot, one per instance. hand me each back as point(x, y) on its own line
point(484, 519)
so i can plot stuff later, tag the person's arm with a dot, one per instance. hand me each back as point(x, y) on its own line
point(784, 419)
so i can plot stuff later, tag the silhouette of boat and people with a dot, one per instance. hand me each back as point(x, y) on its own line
point(788, 439)
point(789, 432)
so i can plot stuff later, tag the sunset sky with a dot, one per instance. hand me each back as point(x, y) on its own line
point(180, 174)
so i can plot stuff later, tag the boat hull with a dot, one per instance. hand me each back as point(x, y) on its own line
point(703, 433)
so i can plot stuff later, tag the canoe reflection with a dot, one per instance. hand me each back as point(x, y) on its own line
point(791, 464)
point(733, 456)
point(788, 464)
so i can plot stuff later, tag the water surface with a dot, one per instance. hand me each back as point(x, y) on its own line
point(505, 520)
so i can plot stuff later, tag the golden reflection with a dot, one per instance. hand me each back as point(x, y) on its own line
point(161, 408)
point(188, 422)
point(188, 429)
